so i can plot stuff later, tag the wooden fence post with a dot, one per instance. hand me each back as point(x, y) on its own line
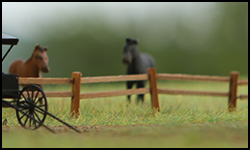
point(232, 100)
point(153, 89)
point(75, 99)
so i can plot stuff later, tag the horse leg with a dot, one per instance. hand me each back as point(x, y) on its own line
point(140, 84)
point(129, 86)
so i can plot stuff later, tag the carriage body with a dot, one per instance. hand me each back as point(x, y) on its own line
point(10, 87)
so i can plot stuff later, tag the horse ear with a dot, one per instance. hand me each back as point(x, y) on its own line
point(37, 46)
point(135, 42)
point(131, 41)
point(128, 40)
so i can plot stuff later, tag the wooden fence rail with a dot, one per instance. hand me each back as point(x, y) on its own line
point(189, 92)
point(77, 80)
point(115, 93)
point(191, 77)
point(242, 83)
point(114, 78)
point(45, 80)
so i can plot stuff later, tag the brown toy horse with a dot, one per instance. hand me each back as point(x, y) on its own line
point(32, 67)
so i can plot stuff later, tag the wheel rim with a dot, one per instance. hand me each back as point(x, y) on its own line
point(34, 103)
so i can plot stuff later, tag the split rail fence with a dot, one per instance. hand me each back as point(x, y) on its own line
point(77, 80)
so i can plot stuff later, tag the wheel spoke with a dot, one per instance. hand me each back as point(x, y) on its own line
point(32, 93)
point(31, 120)
point(37, 117)
point(37, 124)
point(38, 110)
point(39, 100)
point(43, 105)
point(23, 105)
point(36, 96)
point(23, 115)
point(29, 123)
point(24, 97)
point(28, 93)
point(24, 123)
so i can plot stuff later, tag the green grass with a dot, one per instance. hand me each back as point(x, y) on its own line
point(184, 121)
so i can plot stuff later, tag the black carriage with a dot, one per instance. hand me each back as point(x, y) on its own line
point(30, 103)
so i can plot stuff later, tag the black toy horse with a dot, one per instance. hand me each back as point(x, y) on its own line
point(138, 63)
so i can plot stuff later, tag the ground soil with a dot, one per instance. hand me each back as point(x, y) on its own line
point(83, 128)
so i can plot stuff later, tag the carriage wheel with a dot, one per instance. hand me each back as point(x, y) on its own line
point(34, 103)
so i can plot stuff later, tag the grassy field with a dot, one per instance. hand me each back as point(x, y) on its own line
point(184, 121)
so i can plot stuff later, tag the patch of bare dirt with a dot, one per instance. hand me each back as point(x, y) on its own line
point(61, 128)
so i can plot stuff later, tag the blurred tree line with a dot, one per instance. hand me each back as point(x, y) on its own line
point(94, 46)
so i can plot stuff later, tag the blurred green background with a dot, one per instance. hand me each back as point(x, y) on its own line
point(188, 38)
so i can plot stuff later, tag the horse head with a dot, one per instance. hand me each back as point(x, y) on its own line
point(130, 50)
point(41, 58)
